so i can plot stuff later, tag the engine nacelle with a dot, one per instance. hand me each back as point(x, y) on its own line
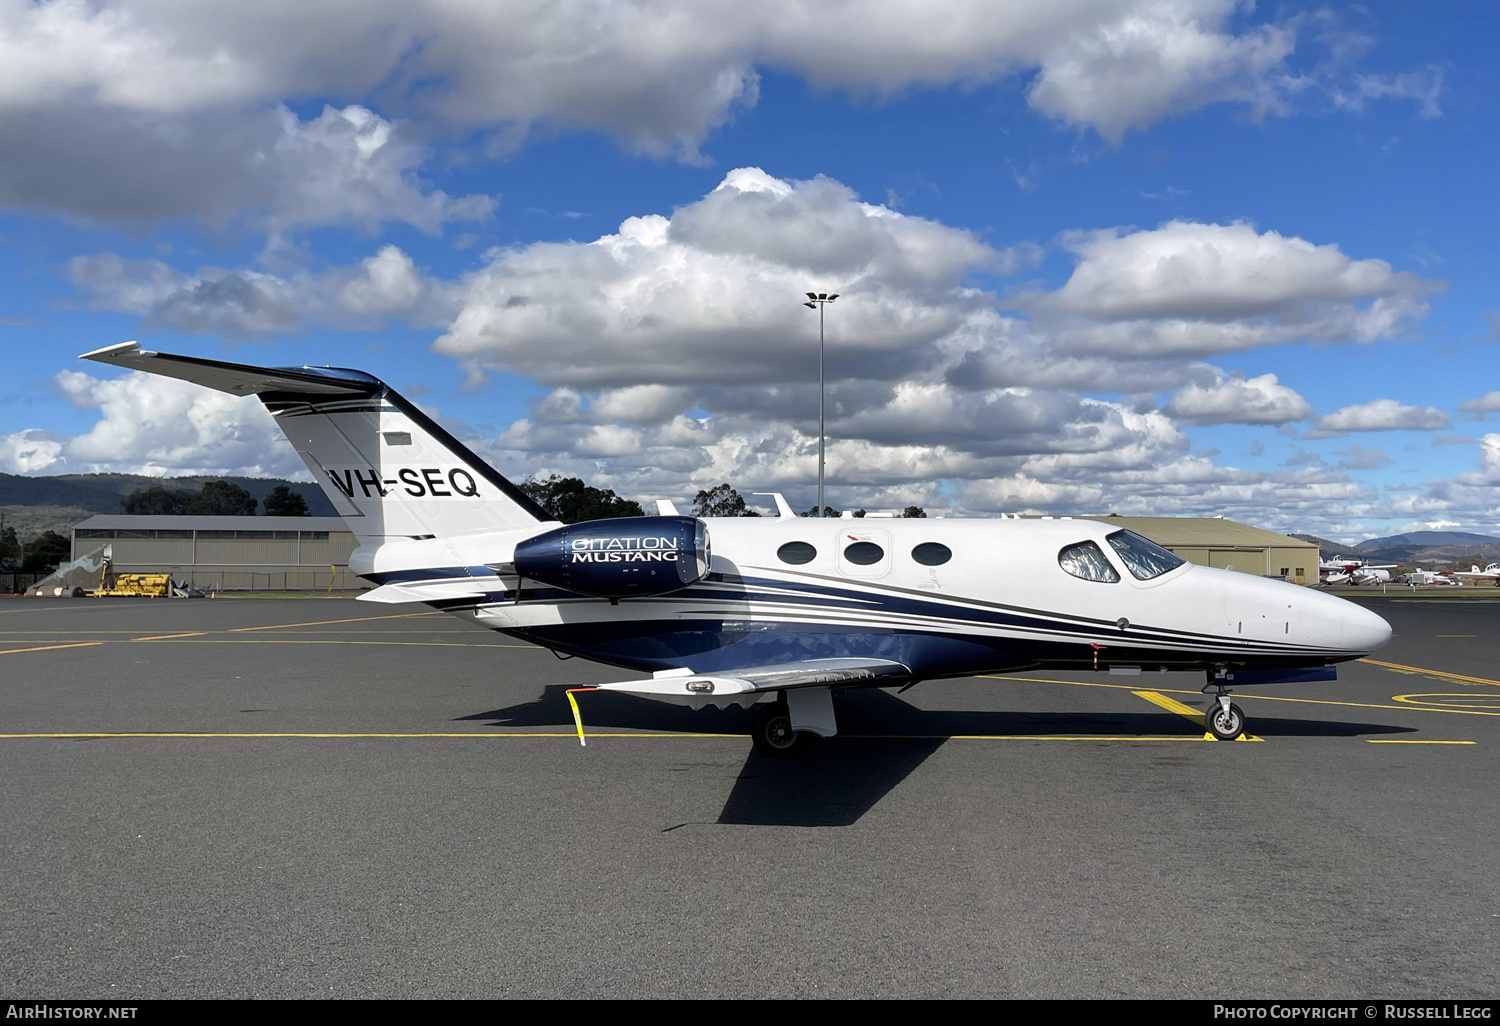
point(618, 558)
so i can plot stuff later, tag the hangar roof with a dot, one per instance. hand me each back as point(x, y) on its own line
point(1204, 531)
point(130, 522)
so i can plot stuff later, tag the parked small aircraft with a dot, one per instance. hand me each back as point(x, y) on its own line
point(1339, 570)
point(779, 611)
point(1429, 577)
point(1489, 573)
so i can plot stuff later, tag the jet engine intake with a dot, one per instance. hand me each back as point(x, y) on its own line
point(618, 558)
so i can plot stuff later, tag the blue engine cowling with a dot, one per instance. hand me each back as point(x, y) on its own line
point(618, 558)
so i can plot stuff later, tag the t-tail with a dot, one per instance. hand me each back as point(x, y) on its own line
point(390, 471)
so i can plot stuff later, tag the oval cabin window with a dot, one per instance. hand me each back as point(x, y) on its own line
point(797, 553)
point(932, 554)
point(864, 553)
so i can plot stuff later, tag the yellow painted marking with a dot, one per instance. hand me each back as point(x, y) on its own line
point(320, 623)
point(1373, 741)
point(49, 648)
point(1466, 700)
point(203, 735)
point(105, 735)
point(1399, 668)
point(1056, 737)
point(1171, 705)
point(164, 637)
point(326, 641)
point(1244, 695)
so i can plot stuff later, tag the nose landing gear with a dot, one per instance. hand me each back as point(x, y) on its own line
point(1224, 720)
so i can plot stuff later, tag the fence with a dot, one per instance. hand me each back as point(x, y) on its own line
point(305, 579)
point(15, 584)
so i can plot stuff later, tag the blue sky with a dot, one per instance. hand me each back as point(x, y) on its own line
point(1177, 257)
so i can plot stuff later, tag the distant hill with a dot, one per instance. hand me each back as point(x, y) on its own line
point(1429, 538)
point(1328, 548)
point(1432, 547)
point(55, 503)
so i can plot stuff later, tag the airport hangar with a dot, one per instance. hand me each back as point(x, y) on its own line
point(296, 553)
point(227, 553)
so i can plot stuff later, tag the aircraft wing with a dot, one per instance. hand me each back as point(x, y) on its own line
point(743, 686)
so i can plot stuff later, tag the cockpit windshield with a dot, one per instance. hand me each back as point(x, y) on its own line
point(1086, 561)
point(1144, 557)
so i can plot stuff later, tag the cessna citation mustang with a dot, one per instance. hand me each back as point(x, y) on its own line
point(781, 611)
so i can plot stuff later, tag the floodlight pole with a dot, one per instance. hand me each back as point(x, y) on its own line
point(819, 300)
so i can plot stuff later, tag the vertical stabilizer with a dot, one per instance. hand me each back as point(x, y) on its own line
point(388, 468)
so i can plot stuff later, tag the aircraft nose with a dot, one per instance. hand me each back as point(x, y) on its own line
point(1363, 631)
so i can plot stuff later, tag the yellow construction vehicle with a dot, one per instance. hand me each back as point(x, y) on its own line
point(138, 585)
point(131, 585)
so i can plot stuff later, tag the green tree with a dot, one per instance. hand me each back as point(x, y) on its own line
point(156, 501)
point(722, 501)
point(571, 501)
point(914, 512)
point(221, 499)
point(283, 502)
point(44, 553)
point(828, 511)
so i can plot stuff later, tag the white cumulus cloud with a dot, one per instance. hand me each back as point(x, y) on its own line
point(1380, 415)
point(1258, 400)
point(1190, 289)
point(147, 109)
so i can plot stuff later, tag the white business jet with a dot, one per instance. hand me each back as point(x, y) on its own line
point(781, 611)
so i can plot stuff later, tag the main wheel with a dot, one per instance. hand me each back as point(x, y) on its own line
point(1222, 725)
point(773, 734)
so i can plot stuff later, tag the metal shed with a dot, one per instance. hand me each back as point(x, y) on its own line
point(227, 553)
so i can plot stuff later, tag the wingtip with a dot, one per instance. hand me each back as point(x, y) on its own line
point(115, 350)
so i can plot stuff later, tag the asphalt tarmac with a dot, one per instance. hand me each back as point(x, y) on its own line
point(279, 798)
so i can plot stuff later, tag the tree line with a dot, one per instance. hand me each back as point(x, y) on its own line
point(571, 501)
point(568, 499)
point(217, 499)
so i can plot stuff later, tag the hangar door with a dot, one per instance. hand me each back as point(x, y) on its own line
point(1246, 561)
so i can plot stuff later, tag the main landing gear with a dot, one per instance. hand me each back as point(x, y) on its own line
point(773, 734)
point(1224, 720)
point(788, 725)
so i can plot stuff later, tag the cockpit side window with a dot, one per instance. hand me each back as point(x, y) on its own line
point(1085, 560)
point(1144, 557)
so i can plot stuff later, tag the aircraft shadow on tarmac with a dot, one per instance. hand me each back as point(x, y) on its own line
point(882, 740)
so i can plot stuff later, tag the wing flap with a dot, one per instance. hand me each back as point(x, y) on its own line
point(734, 685)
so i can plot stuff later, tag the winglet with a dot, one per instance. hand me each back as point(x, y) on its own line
point(783, 509)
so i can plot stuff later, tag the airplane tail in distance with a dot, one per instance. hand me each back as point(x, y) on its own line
point(389, 470)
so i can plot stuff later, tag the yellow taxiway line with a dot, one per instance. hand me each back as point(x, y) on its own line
point(49, 648)
point(1400, 668)
point(1387, 741)
point(195, 735)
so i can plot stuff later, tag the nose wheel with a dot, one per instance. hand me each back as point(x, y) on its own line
point(1224, 720)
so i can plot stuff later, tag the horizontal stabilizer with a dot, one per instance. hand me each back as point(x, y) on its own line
point(424, 591)
point(238, 379)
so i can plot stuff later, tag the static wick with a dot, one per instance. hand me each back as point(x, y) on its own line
point(578, 716)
